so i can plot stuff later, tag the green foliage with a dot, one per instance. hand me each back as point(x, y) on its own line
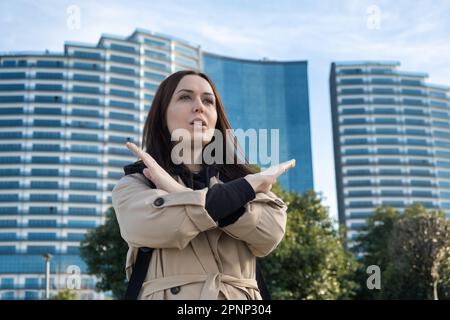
point(412, 251)
point(104, 251)
point(310, 262)
point(66, 294)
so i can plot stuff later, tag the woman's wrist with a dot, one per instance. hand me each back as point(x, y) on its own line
point(252, 181)
point(174, 187)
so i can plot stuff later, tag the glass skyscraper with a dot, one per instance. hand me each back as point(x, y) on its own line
point(64, 119)
point(391, 140)
point(261, 94)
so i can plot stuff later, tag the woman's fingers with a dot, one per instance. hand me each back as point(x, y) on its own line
point(288, 165)
point(141, 154)
point(146, 173)
point(155, 172)
point(135, 149)
point(278, 170)
point(285, 166)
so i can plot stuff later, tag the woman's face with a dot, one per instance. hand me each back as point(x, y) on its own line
point(193, 107)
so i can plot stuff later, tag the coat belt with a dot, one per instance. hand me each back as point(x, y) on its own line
point(210, 290)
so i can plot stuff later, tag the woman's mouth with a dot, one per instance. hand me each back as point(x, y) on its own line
point(198, 123)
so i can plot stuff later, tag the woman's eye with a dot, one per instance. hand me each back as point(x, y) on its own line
point(209, 101)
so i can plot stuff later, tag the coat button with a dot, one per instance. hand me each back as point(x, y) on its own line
point(158, 202)
point(175, 290)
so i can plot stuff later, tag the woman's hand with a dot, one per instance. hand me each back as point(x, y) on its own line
point(263, 181)
point(154, 172)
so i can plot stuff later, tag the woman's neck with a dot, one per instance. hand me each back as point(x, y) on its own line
point(194, 168)
point(196, 160)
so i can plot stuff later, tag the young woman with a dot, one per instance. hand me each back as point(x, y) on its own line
point(206, 223)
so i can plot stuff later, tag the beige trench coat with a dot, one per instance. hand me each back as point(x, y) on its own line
point(194, 258)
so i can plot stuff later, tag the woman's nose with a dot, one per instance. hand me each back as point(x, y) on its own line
point(198, 105)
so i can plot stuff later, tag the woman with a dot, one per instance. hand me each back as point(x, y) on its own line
point(206, 222)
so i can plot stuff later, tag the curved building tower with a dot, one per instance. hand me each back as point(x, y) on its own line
point(265, 94)
point(391, 140)
point(64, 119)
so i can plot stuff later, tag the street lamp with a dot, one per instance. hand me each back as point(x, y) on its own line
point(47, 258)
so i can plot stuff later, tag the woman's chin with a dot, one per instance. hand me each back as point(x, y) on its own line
point(193, 128)
point(203, 140)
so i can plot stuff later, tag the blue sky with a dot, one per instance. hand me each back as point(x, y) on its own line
point(416, 33)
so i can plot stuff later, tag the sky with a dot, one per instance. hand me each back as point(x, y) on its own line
point(415, 33)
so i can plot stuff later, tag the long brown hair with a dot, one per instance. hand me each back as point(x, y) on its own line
point(156, 139)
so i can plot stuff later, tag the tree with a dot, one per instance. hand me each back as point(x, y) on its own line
point(104, 252)
point(421, 245)
point(310, 262)
point(412, 251)
point(371, 245)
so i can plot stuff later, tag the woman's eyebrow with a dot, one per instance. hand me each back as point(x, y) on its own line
point(191, 91)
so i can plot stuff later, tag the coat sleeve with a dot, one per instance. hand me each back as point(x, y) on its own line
point(154, 218)
point(262, 225)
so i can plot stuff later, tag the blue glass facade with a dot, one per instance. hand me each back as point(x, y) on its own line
point(391, 140)
point(64, 119)
point(269, 95)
